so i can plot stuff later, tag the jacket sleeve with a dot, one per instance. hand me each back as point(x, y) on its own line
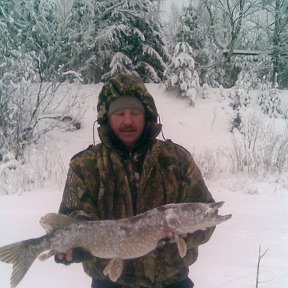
point(76, 200)
point(71, 200)
point(193, 189)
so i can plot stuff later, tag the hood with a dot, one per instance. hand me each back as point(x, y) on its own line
point(125, 85)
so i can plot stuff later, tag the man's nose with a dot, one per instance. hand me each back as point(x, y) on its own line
point(127, 118)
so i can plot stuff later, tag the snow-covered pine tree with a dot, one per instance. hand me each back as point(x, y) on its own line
point(131, 27)
point(181, 72)
point(194, 30)
point(17, 74)
point(120, 64)
point(83, 25)
point(15, 68)
point(36, 28)
point(277, 31)
point(26, 99)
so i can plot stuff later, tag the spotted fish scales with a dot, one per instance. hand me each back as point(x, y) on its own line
point(117, 240)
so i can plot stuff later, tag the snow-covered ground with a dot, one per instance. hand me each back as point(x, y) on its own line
point(229, 259)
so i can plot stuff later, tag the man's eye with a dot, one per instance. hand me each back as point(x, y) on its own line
point(120, 113)
point(135, 113)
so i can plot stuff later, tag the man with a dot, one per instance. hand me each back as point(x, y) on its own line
point(128, 173)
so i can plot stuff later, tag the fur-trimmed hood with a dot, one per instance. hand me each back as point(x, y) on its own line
point(126, 85)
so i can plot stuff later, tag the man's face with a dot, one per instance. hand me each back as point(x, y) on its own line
point(128, 125)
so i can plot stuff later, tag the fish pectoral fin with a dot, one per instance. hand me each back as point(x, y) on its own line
point(181, 245)
point(114, 269)
point(52, 221)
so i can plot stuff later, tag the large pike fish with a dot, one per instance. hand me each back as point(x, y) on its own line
point(112, 239)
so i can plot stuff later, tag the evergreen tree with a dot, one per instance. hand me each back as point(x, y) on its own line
point(43, 27)
point(193, 30)
point(181, 72)
point(120, 64)
point(27, 60)
point(280, 43)
point(83, 26)
point(11, 26)
point(16, 77)
point(82, 48)
point(33, 26)
point(131, 27)
point(41, 35)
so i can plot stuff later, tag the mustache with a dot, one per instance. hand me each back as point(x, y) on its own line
point(127, 129)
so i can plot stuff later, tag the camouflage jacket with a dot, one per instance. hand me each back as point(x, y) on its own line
point(99, 182)
point(108, 182)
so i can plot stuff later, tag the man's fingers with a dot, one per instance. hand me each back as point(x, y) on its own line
point(169, 234)
point(65, 258)
point(69, 255)
point(172, 236)
point(60, 256)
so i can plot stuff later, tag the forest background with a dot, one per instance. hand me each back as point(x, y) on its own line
point(240, 44)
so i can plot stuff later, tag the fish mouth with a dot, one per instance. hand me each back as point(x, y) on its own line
point(219, 218)
point(222, 218)
point(213, 208)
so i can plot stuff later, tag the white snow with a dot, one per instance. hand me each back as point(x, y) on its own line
point(229, 259)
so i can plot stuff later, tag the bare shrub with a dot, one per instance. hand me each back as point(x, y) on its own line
point(270, 103)
point(41, 165)
point(259, 148)
point(208, 162)
point(260, 256)
point(30, 107)
point(33, 114)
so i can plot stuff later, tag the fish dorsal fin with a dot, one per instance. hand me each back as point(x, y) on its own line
point(53, 221)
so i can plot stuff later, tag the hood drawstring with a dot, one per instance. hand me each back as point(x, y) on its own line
point(162, 133)
point(94, 123)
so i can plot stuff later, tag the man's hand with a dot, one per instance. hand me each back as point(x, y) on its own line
point(74, 255)
point(172, 237)
point(169, 237)
point(65, 258)
point(178, 239)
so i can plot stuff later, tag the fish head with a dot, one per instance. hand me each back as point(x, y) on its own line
point(189, 217)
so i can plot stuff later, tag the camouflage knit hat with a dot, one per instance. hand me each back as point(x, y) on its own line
point(122, 85)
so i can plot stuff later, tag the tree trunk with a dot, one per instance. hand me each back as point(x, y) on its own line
point(276, 42)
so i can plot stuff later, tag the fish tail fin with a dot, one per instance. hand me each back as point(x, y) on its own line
point(21, 255)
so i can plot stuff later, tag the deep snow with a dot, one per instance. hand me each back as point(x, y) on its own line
point(229, 259)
